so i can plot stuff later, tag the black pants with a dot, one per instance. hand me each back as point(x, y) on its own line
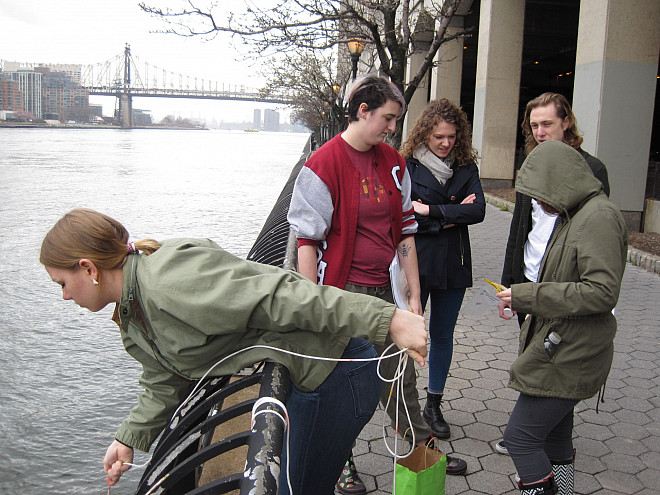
point(540, 430)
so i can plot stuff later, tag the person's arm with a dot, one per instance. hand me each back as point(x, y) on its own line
point(600, 257)
point(163, 392)
point(408, 259)
point(311, 207)
point(307, 262)
point(471, 209)
point(512, 240)
point(408, 330)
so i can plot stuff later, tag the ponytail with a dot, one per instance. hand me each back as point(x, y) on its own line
point(84, 233)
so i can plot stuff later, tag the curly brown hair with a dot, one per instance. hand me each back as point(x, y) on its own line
point(435, 112)
point(563, 108)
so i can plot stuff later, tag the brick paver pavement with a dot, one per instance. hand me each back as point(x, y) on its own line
point(618, 449)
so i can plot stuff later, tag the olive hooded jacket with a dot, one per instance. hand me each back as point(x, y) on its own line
point(190, 304)
point(579, 279)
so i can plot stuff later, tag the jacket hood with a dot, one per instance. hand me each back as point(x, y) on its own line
point(558, 175)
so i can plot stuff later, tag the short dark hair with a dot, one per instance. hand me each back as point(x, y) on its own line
point(375, 91)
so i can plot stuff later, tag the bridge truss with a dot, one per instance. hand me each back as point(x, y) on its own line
point(125, 76)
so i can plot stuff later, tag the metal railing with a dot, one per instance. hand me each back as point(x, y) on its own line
point(187, 442)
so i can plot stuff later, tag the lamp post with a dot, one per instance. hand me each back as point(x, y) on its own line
point(355, 47)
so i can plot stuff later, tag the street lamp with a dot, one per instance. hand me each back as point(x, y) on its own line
point(355, 47)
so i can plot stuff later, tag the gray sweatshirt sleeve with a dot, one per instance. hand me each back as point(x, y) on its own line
point(310, 212)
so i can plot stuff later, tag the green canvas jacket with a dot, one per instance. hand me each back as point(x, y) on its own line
point(579, 279)
point(189, 304)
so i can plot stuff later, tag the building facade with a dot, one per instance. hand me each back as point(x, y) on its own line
point(63, 96)
point(271, 120)
point(29, 84)
point(601, 54)
point(11, 97)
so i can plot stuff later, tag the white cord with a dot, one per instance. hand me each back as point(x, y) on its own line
point(396, 380)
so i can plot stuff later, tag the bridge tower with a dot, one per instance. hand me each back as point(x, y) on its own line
point(124, 92)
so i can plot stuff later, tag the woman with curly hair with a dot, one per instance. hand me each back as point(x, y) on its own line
point(447, 197)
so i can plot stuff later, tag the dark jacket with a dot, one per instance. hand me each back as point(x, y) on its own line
point(444, 255)
point(579, 279)
point(513, 271)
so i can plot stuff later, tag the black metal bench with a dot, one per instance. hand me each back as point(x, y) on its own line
point(186, 444)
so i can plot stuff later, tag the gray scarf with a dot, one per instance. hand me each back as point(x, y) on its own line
point(440, 170)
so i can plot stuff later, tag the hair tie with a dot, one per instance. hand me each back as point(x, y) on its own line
point(130, 248)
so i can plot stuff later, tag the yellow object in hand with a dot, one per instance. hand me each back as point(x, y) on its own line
point(498, 287)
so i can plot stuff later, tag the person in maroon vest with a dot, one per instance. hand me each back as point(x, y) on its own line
point(351, 213)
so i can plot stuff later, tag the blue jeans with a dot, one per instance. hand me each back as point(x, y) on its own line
point(326, 422)
point(445, 305)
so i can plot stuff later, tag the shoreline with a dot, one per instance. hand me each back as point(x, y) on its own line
point(30, 125)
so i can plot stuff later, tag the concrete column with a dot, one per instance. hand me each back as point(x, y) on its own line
point(499, 59)
point(420, 98)
point(126, 110)
point(613, 98)
point(446, 76)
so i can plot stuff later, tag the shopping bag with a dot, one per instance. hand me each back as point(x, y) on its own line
point(421, 473)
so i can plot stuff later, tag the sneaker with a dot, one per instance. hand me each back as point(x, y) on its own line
point(501, 448)
point(456, 466)
point(349, 480)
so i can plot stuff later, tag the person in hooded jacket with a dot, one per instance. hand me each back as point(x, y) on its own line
point(447, 197)
point(578, 286)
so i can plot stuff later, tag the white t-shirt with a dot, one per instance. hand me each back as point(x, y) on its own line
point(537, 240)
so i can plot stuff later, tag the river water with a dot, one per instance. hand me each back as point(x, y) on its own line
point(66, 382)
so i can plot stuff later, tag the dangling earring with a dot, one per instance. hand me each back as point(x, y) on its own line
point(95, 282)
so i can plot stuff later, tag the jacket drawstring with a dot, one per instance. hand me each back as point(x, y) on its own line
point(601, 396)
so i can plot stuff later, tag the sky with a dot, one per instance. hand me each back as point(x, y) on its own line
point(94, 31)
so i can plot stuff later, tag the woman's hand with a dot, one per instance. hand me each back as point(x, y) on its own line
point(420, 208)
point(469, 199)
point(113, 462)
point(505, 296)
point(409, 330)
point(502, 306)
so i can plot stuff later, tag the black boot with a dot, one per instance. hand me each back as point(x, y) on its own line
point(564, 473)
point(433, 416)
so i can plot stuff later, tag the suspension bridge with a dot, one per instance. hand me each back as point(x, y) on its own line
point(125, 76)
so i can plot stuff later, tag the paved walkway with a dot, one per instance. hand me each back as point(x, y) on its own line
point(618, 449)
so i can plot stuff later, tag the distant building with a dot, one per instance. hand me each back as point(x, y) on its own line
point(11, 97)
point(50, 89)
point(73, 71)
point(256, 122)
point(141, 117)
point(29, 84)
point(95, 110)
point(271, 120)
point(63, 96)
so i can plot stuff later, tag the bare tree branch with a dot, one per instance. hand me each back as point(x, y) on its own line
point(281, 27)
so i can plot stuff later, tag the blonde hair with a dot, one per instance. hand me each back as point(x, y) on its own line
point(84, 233)
point(435, 112)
